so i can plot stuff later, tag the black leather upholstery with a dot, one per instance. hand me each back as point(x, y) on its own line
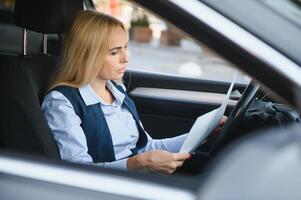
point(23, 80)
point(46, 16)
point(23, 127)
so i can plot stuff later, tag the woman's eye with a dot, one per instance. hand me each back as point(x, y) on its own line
point(114, 52)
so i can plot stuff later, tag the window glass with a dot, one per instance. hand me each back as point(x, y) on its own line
point(291, 9)
point(6, 11)
point(157, 46)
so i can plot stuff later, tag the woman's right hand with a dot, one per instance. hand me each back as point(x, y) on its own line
point(160, 161)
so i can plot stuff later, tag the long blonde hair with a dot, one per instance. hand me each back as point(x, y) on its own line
point(84, 48)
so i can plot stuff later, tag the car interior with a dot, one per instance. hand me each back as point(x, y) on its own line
point(24, 79)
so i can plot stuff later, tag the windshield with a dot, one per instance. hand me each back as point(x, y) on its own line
point(275, 22)
point(290, 9)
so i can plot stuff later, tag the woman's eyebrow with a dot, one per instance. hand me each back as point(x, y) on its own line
point(115, 48)
point(118, 47)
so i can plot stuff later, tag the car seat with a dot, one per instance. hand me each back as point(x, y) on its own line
point(23, 79)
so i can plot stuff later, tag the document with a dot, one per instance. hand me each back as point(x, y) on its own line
point(205, 124)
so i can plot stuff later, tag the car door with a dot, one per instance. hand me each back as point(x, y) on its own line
point(168, 105)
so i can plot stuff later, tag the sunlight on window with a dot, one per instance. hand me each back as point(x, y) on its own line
point(157, 46)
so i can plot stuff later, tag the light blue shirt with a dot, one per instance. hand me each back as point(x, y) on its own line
point(71, 140)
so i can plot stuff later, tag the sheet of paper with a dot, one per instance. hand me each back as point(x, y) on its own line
point(205, 124)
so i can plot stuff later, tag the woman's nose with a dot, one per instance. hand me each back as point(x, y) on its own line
point(124, 56)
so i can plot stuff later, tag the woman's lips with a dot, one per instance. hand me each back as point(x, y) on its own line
point(122, 70)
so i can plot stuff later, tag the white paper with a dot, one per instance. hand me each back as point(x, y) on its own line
point(205, 124)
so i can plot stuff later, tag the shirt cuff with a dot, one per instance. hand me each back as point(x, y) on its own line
point(174, 144)
point(118, 164)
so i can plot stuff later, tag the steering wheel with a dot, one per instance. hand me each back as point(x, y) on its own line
point(224, 137)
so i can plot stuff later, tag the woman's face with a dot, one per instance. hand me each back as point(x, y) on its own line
point(116, 57)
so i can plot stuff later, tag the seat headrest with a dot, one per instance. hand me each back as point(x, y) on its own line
point(46, 16)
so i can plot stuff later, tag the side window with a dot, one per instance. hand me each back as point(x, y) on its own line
point(157, 46)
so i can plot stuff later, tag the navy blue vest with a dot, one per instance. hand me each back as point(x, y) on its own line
point(95, 127)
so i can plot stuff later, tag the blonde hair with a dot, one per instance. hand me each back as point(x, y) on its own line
point(84, 48)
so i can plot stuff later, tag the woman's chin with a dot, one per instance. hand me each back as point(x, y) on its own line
point(118, 77)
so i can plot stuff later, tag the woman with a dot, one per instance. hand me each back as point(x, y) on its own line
point(92, 118)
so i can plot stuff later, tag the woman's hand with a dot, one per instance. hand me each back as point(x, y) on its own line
point(160, 161)
point(220, 125)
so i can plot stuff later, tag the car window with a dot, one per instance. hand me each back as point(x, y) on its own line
point(157, 46)
point(291, 9)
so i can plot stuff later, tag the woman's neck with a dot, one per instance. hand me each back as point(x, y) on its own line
point(100, 88)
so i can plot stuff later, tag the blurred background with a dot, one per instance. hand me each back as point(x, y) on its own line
point(157, 46)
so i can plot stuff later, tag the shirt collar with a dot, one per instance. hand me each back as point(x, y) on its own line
point(90, 97)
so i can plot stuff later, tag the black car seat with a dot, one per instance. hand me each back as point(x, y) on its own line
point(23, 79)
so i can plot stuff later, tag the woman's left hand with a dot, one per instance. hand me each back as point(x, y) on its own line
point(221, 123)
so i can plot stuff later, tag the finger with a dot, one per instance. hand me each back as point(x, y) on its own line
point(170, 171)
point(181, 156)
point(221, 123)
point(223, 120)
point(180, 163)
point(216, 130)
